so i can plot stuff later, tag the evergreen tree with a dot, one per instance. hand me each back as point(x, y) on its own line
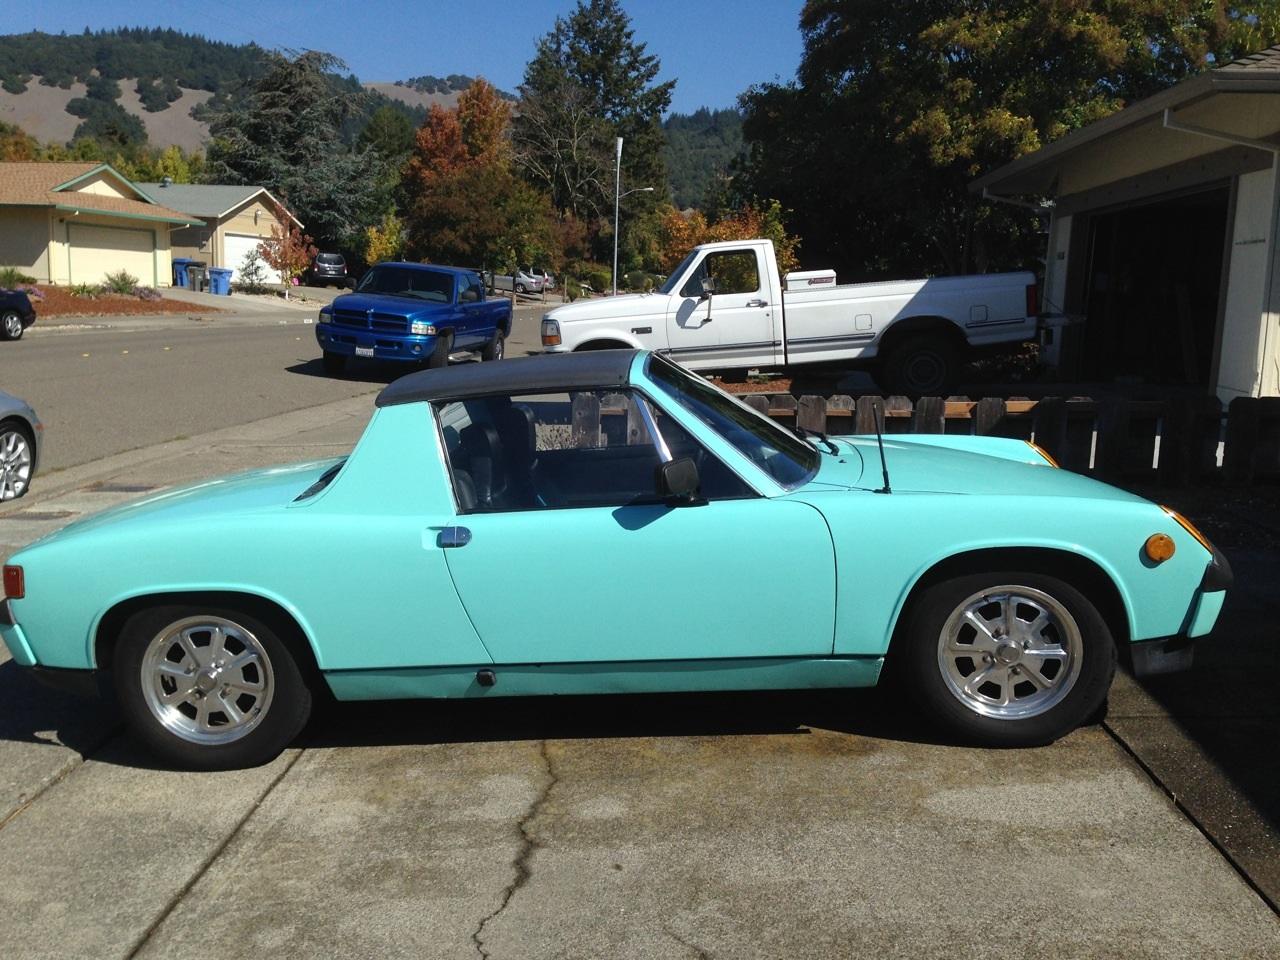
point(285, 138)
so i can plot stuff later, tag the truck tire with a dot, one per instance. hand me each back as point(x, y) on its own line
point(440, 355)
point(494, 349)
point(334, 363)
point(925, 365)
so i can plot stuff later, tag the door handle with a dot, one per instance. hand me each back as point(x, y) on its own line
point(757, 303)
point(454, 537)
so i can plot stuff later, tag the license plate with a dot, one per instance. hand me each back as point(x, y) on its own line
point(364, 351)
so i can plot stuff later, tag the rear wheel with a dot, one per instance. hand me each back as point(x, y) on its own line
point(920, 366)
point(334, 363)
point(520, 288)
point(209, 688)
point(17, 455)
point(1006, 659)
point(11, 325)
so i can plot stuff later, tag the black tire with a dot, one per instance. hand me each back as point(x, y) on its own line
point(440, 355)
point(334, 363)
point(926, 365)
point(11, 327)
point(520, 288)
point(265, 735)
point(922, 662)
point(495, 348)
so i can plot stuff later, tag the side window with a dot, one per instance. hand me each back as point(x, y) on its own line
point(734, 271)
point(564, 450)
point(468, 290)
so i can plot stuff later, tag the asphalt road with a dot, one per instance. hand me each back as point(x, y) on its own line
point(119, 384)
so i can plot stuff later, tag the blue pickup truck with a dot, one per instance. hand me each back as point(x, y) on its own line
point(414, 312)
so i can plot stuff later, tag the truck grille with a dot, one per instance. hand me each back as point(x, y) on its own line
point(387, 322)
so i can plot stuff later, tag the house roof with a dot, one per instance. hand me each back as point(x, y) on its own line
point(589, 370)
point(213, 201)
point(52, 184)
point(1257, 73)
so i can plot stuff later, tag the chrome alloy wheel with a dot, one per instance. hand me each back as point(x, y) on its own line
point(1010, 652)
point(11, 325)
point(15, 464)
point(207, 680)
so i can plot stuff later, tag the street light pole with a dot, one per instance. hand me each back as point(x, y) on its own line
point(617, 199)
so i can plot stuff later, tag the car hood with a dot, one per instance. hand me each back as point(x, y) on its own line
point(266, 488)
point(612, 308)
point(988, 467)
point(385, 303)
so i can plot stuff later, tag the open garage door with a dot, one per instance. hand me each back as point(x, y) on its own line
point(1153, 288)
point(236, 246)
point(97, 251)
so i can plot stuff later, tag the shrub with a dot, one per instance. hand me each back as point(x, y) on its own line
point(572, 289)
point(122, 281)
point(252, 276)
point(11, 278)
point(599, 279)
point(146, 293)
point(86, 291)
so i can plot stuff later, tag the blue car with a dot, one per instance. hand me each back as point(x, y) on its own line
point(608, 522)
point(415, 313)
point(16, 314)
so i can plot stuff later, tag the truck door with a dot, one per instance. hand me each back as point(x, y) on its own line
point(732, 328)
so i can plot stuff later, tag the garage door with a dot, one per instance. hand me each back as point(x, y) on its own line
point(236, 247)
point(97, 251)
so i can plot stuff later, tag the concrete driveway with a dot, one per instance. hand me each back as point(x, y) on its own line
point(784, 825)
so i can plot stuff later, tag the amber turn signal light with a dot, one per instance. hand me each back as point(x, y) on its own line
point(1159, 547)
point(15, 585)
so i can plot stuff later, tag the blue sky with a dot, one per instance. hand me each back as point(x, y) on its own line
point(714, 49)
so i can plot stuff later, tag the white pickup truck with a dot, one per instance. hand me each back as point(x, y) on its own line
point(726, 308)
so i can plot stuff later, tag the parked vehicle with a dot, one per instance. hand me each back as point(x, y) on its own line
point(548, 279)
point(525, 280)
point(610, 522)
point(328, 268)
point(726, 308)
point(20, 433)
point(16, 314)
point(413, 312)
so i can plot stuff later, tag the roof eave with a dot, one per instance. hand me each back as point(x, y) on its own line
point(82, 208)
point(1224, 80)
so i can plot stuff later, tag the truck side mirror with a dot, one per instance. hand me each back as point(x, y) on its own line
point(708, 288)
point(677, 480)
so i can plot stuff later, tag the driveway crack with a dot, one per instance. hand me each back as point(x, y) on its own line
point(528, 846)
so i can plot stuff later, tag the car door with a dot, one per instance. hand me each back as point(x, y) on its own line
point(561, 552)
point(734, 326)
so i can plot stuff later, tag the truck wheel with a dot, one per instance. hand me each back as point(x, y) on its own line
point(334, 363)
point(920, 366)
point(493, 350)
point(440, 355)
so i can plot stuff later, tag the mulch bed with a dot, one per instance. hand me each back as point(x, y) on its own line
point(59, 302)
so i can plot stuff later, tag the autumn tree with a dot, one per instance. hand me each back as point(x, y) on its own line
point(464, 202)
point(681, 232)
point(905, 104)
point(289, 250)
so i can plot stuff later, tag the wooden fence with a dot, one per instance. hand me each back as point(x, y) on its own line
point(1174, 441)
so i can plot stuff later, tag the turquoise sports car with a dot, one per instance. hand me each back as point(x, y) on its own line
point(607, 522)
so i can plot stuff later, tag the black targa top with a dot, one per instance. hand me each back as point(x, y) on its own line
point(590, 370)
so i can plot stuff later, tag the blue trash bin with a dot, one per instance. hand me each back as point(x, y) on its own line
point(220, 281)
point(180, 271)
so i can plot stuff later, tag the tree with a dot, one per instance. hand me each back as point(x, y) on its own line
point(289, 251)
point(681, 232)
point(589, 82)
point(385, 241)
point(285, 137)
point(389, 134)
point(908, 103)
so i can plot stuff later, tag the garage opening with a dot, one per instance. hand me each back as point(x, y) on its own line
point(1152, 290)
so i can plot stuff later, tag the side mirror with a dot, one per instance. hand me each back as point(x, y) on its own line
point(677, 480)
point(708, 288)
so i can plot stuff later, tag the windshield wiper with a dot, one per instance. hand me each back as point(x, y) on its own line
point(804, 434)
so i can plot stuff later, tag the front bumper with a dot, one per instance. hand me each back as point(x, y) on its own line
point(1175, 654)
point(352, 342)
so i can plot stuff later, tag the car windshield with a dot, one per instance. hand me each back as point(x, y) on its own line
point(670, 284)
point(331, 258)
point(780, 454)
point(408, 282)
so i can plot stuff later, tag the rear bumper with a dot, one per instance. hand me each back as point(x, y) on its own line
point(350, 342)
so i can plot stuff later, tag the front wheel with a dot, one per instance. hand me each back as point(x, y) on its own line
point(17, 453)
point(440, 355)
point(209, 688)
point(11, 325)
point(1006, 659)
point(494, 349)
point(920, 366)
